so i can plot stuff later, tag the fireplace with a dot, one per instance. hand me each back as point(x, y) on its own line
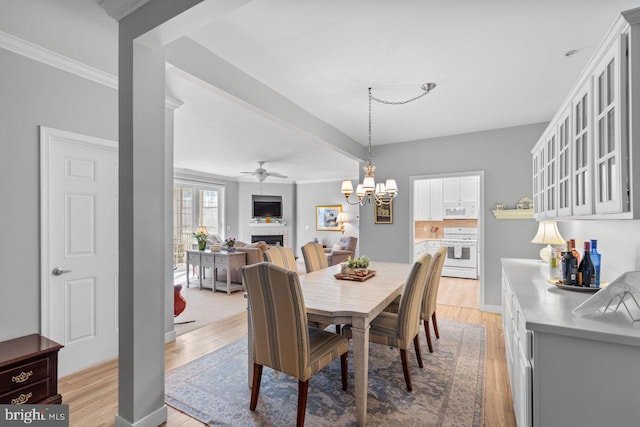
point(270, 239)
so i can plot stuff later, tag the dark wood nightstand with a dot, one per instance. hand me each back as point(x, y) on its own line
point(29, 371)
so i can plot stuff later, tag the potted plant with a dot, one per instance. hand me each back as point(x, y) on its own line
point(230, 244)
point(358, 266)
point(201, 238)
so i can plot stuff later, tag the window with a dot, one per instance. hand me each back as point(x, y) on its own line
point(195, 204)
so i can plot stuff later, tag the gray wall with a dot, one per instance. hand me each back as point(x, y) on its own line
point(323, 193)
point(503, 155)
point(33, 94)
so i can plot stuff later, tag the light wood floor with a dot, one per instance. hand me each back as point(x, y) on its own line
point(92, 393)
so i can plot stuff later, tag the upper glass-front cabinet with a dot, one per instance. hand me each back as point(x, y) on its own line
point(564, 165)
point(610, 109)
point(582, 163)
point(581, 150)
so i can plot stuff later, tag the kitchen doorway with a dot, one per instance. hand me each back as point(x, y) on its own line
point(447, 210)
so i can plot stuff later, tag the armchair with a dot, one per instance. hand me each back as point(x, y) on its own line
point(347, 249)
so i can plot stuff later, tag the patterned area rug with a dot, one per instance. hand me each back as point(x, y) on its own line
point(449, 391)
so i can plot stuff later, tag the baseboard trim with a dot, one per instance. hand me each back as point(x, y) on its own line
point(154, 419)
point(169, 336)
point(491, 308)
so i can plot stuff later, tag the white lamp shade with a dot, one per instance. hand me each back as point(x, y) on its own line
point(360, 190)
point(380, 190)
point(342, 217)
point(548, 234)
point(347, 187)
point(369, 183)
point(202, 229)
point(391, 186)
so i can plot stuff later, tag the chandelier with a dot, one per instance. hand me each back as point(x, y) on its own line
point(369, 190)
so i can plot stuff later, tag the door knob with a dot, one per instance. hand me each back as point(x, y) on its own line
point(58, 271)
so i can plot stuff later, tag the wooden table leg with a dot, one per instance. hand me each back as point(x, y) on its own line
point(360, 335)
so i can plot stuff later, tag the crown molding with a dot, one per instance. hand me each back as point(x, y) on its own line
point(61, 62)
point(632, 16)
point(118, 9)
point(49, 57)
point(172, 103)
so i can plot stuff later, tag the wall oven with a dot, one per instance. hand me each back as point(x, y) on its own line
point(462, 252)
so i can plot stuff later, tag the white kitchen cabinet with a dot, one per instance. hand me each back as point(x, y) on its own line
point(538, 181)
point(419, 249)
point(427, 200)
point(581, 166)
point(460, 190)
point(433, 246)
point(610, 86)
point(564, 165)
point(565, 370)
point(583, 161)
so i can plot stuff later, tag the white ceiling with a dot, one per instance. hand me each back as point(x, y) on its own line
point(497, 63)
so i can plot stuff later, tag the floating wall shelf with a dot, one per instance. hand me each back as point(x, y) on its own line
point(513, 213)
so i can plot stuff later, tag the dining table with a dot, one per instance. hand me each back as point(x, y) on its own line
point(331, 300)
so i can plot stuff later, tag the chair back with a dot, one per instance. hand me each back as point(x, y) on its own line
point(314, 257)
point(279, 318)
point(349, 243)
point(411, 299)
point(433, 283)
point(281, 256)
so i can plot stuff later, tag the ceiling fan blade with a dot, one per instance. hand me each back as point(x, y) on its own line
point(276, 175)
point(250, 173)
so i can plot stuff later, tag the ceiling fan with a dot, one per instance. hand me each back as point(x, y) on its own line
point(261, 173)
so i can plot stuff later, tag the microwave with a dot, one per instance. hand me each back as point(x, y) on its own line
point(459, 210)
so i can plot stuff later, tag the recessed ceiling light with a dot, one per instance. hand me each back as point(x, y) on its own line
point(570, 53)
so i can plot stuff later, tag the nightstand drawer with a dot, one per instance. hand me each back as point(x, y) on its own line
point(23, 375)
point(27, 395)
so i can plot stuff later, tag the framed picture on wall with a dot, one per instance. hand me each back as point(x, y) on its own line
point(327, 218)
point(383, 214)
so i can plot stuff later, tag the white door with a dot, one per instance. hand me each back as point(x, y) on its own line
point(79, 253)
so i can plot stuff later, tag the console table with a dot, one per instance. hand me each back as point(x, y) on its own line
point(230, 261)
point(29, 371)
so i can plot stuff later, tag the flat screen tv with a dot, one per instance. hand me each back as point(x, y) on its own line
point(267, 206)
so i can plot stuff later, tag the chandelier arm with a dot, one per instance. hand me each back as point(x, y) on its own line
point(352, 203)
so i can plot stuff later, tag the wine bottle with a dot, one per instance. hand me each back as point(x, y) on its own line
point(569, 267)
point(586, 270)
point(574, 250)
point(595, 258)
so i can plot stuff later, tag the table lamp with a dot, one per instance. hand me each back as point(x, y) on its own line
point(548, 234)
point(342, 218)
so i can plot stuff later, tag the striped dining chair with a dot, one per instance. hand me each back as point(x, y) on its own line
point(429, 304)
point(281, 338)
point(281, 256)
point(314, 257)
point(399, 329)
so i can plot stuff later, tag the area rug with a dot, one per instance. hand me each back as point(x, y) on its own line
point(448, 391)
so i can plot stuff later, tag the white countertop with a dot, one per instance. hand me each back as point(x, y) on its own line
point(425, 239)
point(548, 309)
